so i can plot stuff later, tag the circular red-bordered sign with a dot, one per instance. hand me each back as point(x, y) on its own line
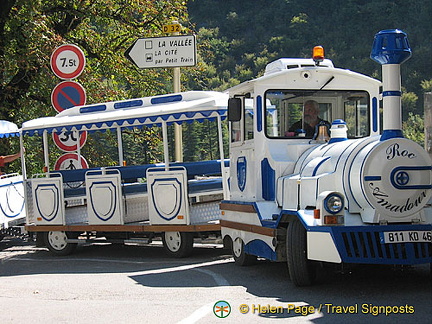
point(67, 141)
point(69, 161)
point(67, 61)
point(68, 94)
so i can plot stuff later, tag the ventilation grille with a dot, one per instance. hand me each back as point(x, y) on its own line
point(364, 246)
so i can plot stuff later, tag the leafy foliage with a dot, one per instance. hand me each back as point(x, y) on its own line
point(414, 128)
point(31, 29)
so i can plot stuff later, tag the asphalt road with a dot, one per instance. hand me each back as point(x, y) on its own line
point(139, 284)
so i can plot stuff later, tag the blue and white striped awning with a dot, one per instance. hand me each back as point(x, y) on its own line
point(8, 129)
point(148, 111)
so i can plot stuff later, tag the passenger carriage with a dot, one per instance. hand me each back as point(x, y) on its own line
point(173, 200)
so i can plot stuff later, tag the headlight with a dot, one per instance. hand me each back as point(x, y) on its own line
point(333, 203)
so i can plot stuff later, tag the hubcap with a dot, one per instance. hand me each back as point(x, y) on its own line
point(173, 241)
point(57, 240)
point(237, 247)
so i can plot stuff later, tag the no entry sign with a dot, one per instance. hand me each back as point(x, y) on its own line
point(69, 161)
point(67, 61)
point(68, 94)
point(67, 141)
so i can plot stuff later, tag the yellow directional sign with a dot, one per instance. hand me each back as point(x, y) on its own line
point(172, 28)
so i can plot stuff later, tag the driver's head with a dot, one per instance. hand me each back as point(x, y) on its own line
point(311, 110)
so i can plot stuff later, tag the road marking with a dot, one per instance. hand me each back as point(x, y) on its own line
point(220, 280)
point(198, 314)
point(192, 318)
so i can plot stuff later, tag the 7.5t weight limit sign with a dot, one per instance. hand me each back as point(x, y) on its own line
point(67, 61)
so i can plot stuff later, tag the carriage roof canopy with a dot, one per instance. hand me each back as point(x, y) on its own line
point(148, 111)
point(8, 129)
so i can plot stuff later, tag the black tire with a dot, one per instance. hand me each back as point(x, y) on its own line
point(178, 244)
point(241, 258)
point(56, 243)
point(301, 270)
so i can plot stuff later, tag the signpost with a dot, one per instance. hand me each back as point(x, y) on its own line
point(67, 94)
point(67, 61)
point(166, 52)
point(172, 51)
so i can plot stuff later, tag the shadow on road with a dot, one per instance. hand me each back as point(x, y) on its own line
point(366, 287)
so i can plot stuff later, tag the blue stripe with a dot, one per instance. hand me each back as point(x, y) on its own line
point(90, 109)
point(372, 178)
point(392, 94)
point(374, 114)
point(268, 180)
point(391, 133)
point(166, 99)
point(318, 165)
point(128, 104)
point(259, 113)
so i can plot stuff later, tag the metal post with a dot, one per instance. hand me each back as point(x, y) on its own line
point(428, 122)
point(120, 146)
point(45, 148)
point(23, 164)
point(222, 157)
point(178, 133)
point(165, 145)
point(78, 141)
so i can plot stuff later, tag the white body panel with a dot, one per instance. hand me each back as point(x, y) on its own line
point(48, 206)
point(168, 198)
point(12, 209)
point(104, 199)
point(321, 247)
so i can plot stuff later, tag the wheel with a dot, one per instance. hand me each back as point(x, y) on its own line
point(57, 244)
point(241, 258)
point(178, 244)
point(301, 270)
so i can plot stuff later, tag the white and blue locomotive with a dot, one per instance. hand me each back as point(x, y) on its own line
point(359, 196)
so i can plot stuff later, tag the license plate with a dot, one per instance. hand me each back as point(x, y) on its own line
point(406, 236)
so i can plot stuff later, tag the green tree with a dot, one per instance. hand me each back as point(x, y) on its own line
point(31, 29)
point(413, 128)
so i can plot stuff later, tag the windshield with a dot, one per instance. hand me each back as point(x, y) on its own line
point(297, 113)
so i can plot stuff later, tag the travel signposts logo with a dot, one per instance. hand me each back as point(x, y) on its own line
point(222, 309)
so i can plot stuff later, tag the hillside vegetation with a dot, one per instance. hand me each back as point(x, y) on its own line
point(242, 36)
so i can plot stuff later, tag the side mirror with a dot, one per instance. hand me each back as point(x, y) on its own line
point(234, 109)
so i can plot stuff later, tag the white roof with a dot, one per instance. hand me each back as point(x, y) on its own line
point(8, 129)
point(149, 111)
point(293, 63)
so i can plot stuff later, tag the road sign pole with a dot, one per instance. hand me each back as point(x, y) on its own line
point(166, 52)
point(178, 131)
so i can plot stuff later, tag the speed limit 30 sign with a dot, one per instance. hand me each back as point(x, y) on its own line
point(68, 140)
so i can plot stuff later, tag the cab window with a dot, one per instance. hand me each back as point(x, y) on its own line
point(296, 114)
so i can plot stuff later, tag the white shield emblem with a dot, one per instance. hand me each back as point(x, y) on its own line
point(167, 197)
point(47, 201)
point(103, 199)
